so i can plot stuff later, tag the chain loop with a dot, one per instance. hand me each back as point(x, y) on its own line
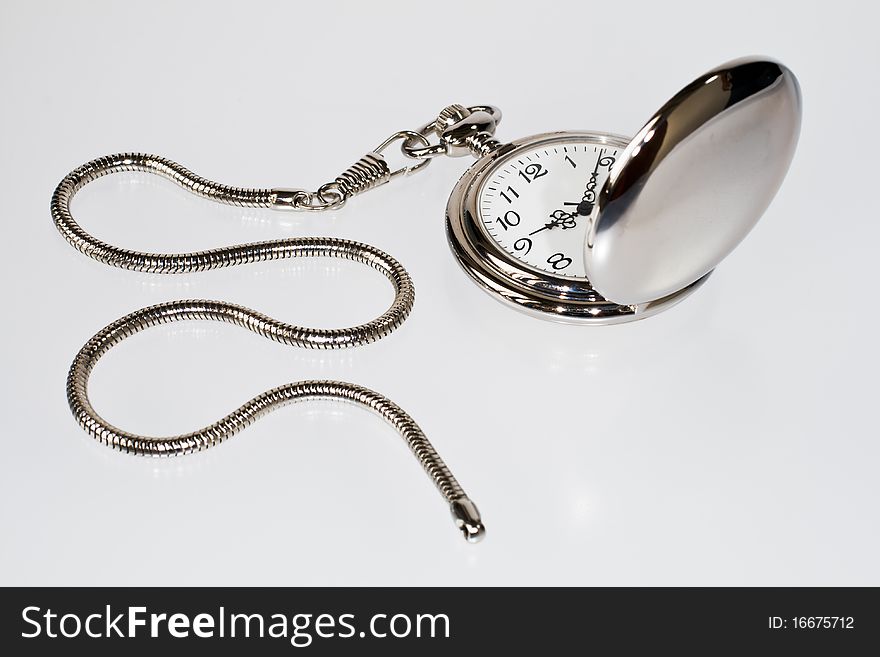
point(328, 197)
point(406, 136)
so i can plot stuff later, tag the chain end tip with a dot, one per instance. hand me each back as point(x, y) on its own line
point(467, 519)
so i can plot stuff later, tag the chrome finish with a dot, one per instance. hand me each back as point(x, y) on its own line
point(467, 519)
point(694, 181)
point(473, 128)
point(465, 513)
point(288, 198)
point(511, 281)
point(461, 131)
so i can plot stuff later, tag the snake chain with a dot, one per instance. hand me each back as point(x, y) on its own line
point(464, 511)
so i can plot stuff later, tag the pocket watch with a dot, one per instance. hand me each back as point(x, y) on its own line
point(597, 228)
point(572, 226)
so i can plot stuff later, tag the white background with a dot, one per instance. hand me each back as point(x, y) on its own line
point(731, 440)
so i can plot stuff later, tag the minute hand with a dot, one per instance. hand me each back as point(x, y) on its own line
point(561, 219)
point(585, 207)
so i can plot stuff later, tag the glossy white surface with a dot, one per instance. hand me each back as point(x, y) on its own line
point(730, 440)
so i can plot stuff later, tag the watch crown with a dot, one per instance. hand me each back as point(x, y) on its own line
point(467, 131)
point(450, 115)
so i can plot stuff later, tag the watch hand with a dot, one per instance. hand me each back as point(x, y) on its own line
point(587, 202)
point(544, 227)
point(561, 219)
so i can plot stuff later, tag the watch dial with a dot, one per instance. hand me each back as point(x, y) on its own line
point(536, 203)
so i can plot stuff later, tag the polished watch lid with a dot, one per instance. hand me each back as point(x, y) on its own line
point(694, 181)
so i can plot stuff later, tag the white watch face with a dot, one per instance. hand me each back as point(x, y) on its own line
point(536, 203)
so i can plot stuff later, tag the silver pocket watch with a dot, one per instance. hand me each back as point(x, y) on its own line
point(596, 228)
point(572, 226)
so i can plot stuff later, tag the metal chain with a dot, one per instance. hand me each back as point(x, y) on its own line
point(464, 511)
point(460, 131)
